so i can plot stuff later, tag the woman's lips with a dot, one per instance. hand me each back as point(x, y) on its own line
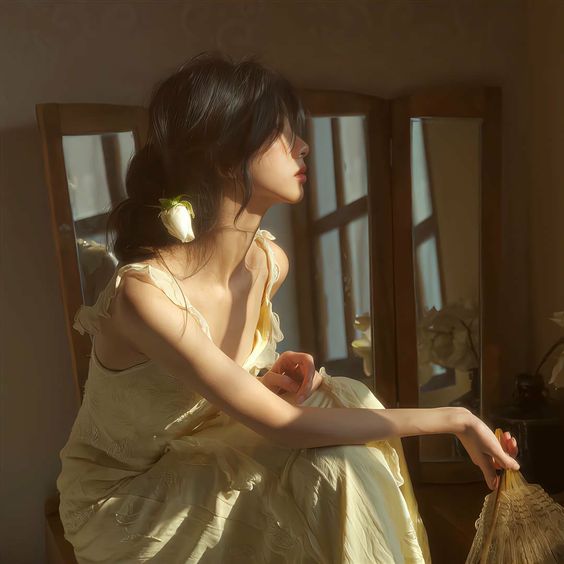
point(301, 177)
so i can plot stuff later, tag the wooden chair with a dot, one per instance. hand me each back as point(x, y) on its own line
point(58, 549)
point(56, 122)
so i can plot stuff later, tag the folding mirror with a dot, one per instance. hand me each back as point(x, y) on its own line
point(397, 242)
point(86, 150)
point(398, 250)
point(447, 249)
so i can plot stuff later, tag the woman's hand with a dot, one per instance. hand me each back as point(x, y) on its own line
point(486, 451)
point(293, 372)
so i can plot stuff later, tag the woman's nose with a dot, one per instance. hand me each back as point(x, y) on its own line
point(304, 150)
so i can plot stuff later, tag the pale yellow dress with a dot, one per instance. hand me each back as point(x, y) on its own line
point(153, 472)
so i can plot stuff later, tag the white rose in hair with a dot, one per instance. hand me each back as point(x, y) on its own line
point(557, 376)
point(176, 216)
point(558, 318)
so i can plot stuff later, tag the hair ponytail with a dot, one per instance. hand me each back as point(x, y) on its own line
point(134, 222)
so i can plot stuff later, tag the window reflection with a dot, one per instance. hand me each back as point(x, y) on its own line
point(338, 190)
point(96, 166)
point(446, 167)
point(332, 312)
point(359, 243)
point(337, 139)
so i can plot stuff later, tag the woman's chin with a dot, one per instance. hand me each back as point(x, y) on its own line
point(291, 196)
point(297, 196)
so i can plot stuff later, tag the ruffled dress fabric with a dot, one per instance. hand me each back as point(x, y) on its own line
point(152, 471)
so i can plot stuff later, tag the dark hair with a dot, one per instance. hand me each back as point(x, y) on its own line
point(207, 121)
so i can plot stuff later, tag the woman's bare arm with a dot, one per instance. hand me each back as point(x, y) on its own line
point(321, 426)
point(315, 427)
point(153, 325)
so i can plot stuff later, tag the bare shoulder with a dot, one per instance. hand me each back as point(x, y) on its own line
point(134, 295)
point(281, 259)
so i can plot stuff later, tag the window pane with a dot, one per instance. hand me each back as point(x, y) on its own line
point(352, 142)
point(357, 233)
point(446, 165)
point(353, 154)
point(323, 174)
point(422, 207)
point(427, 275)
point(87, 173)
point(332, 309)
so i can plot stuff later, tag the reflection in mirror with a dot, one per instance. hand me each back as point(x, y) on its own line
point(338, 187)
point(358, 241)
point(446, 171)
point(337, 142)
point(96, 166)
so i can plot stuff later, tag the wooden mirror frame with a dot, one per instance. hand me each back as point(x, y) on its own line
point(377, 205)
point(394, 350)
point(395, 372)
point(54, 122)
point(455, 102)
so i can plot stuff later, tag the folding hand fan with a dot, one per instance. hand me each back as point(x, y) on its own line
point(519, 524)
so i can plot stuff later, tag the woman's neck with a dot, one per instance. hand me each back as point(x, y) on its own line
point(230, 245)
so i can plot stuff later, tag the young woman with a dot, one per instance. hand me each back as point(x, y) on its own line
point(182, 451)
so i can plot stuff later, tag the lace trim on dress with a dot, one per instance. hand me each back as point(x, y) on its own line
point(87, 318)
point(264, 354)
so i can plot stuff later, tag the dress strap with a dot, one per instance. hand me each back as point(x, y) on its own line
point(268, 332)
point(264, 235)
point(87, 318)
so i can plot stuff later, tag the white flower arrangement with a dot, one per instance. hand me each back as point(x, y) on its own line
point(94, 255)
point(449, 337)
point(557, 376)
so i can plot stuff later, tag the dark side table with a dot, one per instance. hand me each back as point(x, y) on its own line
point(540, 437)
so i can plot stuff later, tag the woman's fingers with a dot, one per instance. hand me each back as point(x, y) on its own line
point(485, 464)
point(288, 384)
point(504, 460)
point(280, 382)
point(299, 368)
point(285, 362)
point(305, 367)
point(509, 445)
point(307, 383)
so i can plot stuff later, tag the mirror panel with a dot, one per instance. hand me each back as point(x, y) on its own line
point(95, 167)
point(337, 189)
point(352, 134)
point(445, 182)
point(331, 303)
point(324, 196)
point(359, 242)
point(349, 149)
